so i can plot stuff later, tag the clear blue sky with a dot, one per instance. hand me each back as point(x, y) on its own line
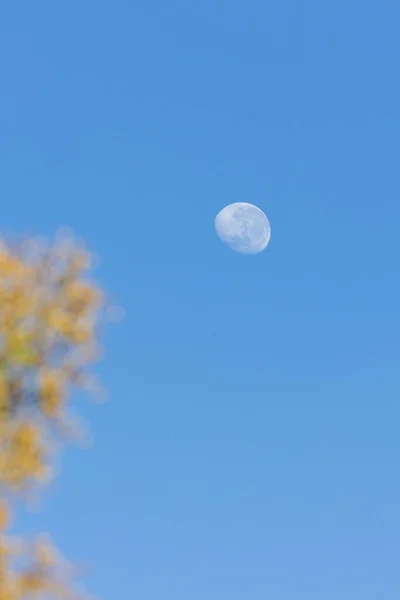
point(251, 448)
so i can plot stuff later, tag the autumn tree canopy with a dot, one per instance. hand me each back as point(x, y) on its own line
point(49, 318)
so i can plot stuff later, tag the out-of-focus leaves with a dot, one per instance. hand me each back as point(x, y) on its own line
point(49, 319)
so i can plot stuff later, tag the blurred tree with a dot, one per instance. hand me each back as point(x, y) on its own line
point(49, 318)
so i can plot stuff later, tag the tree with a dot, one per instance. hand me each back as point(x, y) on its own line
point(49, 319)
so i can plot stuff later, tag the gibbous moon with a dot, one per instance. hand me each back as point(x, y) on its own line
point(243, 227)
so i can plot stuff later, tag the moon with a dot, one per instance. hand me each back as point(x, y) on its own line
point(243, 227)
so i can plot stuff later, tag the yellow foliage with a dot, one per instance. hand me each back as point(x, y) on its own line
point(4, 396)
point(22, 455)
point(44, 571)
point(48, 321)
point(4, 518)
point(51, 391)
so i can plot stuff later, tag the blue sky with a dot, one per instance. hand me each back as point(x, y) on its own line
point(250, 448)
